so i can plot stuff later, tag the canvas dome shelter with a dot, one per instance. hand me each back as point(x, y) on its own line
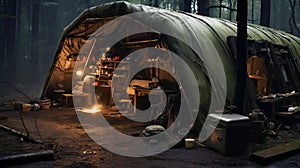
point(273, 56)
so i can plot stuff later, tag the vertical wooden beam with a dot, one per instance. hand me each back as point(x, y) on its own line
point(241, 76)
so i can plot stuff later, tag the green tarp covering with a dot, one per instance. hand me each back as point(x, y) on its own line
point(209, 34)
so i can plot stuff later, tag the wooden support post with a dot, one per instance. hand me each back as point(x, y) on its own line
point(241, 63)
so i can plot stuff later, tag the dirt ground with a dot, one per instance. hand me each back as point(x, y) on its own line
point(61, 131)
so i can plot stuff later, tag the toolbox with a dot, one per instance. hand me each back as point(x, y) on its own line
point(232, 134)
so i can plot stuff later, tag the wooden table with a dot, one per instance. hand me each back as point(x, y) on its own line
point(139, 92)
point(270, 105)
point(147, 91)
point(66, 97)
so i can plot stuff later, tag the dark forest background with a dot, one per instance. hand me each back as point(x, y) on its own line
point(30, 30)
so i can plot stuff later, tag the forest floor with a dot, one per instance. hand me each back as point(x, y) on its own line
point(61, 131)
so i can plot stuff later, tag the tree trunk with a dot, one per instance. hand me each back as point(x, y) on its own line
point(9, 38)
point(86, 3)
point(241, 76)
point(185, 5)
point(203, 7)
point(11, 27)
point(29, 57)
point(175, 4)
point(18, 56)
point(52, 35)
point(155, 3)
point(181, 5)
point(35, 47)
point(35, 26)
point(2, 36)
point(48, 38)
point(265, 13)
point(188, 5)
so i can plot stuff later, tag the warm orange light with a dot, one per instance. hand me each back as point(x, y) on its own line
point(94, 109)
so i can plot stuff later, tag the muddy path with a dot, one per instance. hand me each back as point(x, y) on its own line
point(61, 131)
